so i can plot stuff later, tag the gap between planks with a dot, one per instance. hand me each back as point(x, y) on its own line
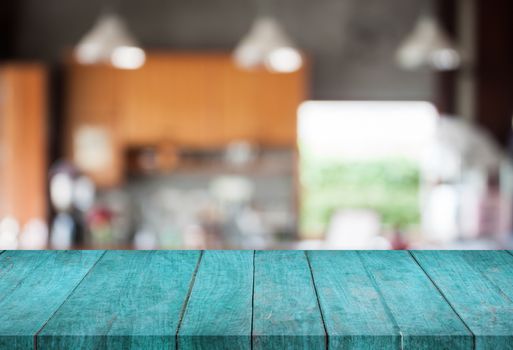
point(67, 297)
point(187, 297)
point(445, 298)
point(382, 299)
point(326, 336)
point(252, 302)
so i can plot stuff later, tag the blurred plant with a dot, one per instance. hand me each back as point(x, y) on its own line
point(388, 186)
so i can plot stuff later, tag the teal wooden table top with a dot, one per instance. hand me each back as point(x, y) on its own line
point(256, 300)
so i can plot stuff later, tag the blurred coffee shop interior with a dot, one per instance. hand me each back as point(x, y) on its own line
point(256, 124)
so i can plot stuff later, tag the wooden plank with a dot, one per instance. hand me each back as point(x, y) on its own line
point(425, 319)
point(367, 304)
point(33, 284)
point(355, 314)
point(218, 315)
point(16, 266)
point(479, 286)
point(285, 309)
point(131, 299)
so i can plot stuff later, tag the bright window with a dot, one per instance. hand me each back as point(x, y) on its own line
point(362, 155)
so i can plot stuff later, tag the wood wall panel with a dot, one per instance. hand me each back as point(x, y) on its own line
point(23, 165)
point(277, 107)
point(240, 118)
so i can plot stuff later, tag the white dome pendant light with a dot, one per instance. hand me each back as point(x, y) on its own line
point(268, 45)
point(109, 41)
point(428, 45)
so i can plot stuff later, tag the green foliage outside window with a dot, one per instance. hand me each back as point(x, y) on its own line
point(388, 186)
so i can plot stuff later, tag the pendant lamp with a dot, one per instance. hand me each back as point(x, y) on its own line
point(268, 45)
point(109, 41)
point(428, 45)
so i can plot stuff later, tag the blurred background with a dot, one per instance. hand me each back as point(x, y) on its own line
point(258, 124)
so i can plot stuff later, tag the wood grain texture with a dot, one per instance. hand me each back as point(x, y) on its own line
point(261, 300)
point(354, 312)
point(285, 309)
point(32, 287)
point(218, 315)
point(479, 285)
point(130, 300)
point(424, 318)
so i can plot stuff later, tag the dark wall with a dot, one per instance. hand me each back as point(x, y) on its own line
point(8, 17)
point(494, 71)
point(351, 42)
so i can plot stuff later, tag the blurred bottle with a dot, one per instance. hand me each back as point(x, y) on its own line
point(494, 211)
point(398, 241)
point(9, 231)
point(64, 231)
point(34, 235)
point(100, 223)
point(440, 212)
point(145, 239)
point(71, 195)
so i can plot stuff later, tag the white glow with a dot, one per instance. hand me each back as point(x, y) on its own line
point(284, 60)
point(267, 45)
point(126, 57)
point(88, 53)
point(8, 240)
point(10, 225)
point(355, 229)
point(92, 148)
point(248, 54)
point(61, 235)
point(35, 235)
point(9, 230)
point(109, 41)
point(440, 212)
point(83, 193)
point(61, 191)
point(445, 59)
point(240, 153)
point(428, 45)
point(232, 189)
point(145, 240)
point(366, 130)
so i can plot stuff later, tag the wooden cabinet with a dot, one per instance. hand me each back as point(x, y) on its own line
point(239, 118)
point(164, 100)
point(93, 137)
point(185, 109)
point(257, 106)
point(92, 89)
point(23, 141)
point(276, 107)
point(191, 100)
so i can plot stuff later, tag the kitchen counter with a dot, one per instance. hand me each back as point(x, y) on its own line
point(256, 299)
